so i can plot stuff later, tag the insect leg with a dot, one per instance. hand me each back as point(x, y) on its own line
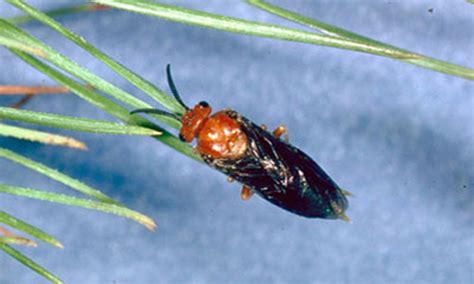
point(281, 130)
point(246, 193)
point(195, 150)
point(346, 193)
point(344, 218)
point(340, 213)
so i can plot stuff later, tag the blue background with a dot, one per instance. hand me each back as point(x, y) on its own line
point(397, 136)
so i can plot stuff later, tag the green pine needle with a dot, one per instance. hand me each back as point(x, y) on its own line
point(20, 225)
point(30, 263)
point(108, 105)
point(16, 240)
point(315, 24)
point(40, 136)
point(56, 12)
point(132, 77)
point(234, 25)
point(79, 202)
point(74, 123)
point(13, 43)
point(57, 176)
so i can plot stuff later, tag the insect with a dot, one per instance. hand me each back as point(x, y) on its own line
point(262, 161)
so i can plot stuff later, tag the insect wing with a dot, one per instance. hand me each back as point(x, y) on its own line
point(283, 174)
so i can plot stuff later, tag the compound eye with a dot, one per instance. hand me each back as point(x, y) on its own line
point(203, 104)
point(181, 137)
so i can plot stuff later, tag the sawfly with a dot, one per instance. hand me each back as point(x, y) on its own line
point(263, 162)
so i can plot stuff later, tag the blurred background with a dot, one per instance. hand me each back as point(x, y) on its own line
point(399, 137)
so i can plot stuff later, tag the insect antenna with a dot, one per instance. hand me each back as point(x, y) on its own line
point(173, 87)
point(156, 111)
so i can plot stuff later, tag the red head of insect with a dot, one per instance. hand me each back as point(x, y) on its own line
point(193, 120)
